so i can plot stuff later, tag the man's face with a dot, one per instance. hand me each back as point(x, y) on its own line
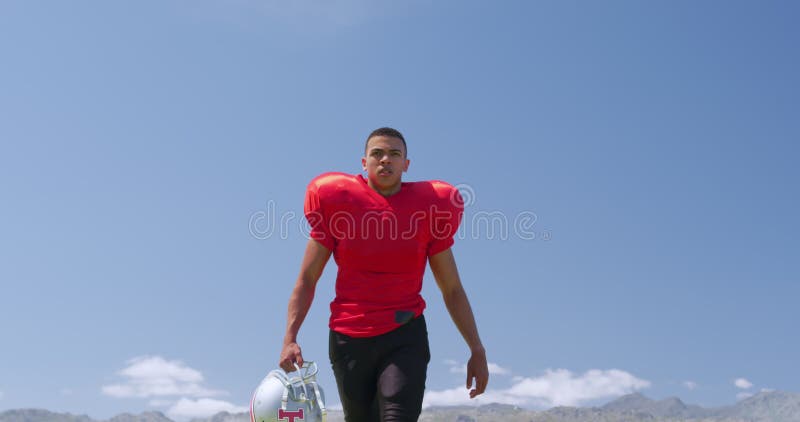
point(385, 163)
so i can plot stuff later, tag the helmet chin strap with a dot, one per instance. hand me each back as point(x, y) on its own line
point(301, 379)
point(320, 401)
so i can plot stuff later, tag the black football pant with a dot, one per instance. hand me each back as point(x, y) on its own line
point(382, 378)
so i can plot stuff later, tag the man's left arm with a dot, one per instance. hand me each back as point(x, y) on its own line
point(443, 266)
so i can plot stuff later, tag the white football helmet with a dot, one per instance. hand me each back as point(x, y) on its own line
point(281, 398)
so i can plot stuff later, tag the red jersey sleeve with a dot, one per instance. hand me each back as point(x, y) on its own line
point(315, 215)
point(446, 213)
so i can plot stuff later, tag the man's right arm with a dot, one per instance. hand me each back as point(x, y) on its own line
point(314, 260)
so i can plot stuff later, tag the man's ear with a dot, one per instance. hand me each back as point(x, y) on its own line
point(364, 163)
point(405, 167)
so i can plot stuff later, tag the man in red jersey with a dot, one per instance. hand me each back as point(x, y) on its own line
point(382, 232)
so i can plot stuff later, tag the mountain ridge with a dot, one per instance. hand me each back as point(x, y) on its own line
point(769, 406)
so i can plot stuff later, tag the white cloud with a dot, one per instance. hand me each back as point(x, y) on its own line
point(66, 392)
point(459, 396)
point(742, 396)
point(561, 387)
point(1, 395)
point(691, 385)
point(742, 383)
point(201, 408)
point(558, 387)
point(154, 376)
point(159, 403)
point(496, 369)
point(461, 368)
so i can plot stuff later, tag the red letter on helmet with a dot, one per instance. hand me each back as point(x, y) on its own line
point(290, 415)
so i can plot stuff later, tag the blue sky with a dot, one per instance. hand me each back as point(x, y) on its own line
point(145, 145)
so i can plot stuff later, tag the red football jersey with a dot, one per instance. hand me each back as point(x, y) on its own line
point(381, 245)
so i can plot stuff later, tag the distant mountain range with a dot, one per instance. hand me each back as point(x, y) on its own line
point(775, 406)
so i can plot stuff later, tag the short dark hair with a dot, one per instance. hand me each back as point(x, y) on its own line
point(387, 131)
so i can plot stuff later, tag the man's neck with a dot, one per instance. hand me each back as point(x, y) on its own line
point(386, 191)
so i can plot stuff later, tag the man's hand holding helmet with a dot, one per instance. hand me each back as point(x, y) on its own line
point(290, 355)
